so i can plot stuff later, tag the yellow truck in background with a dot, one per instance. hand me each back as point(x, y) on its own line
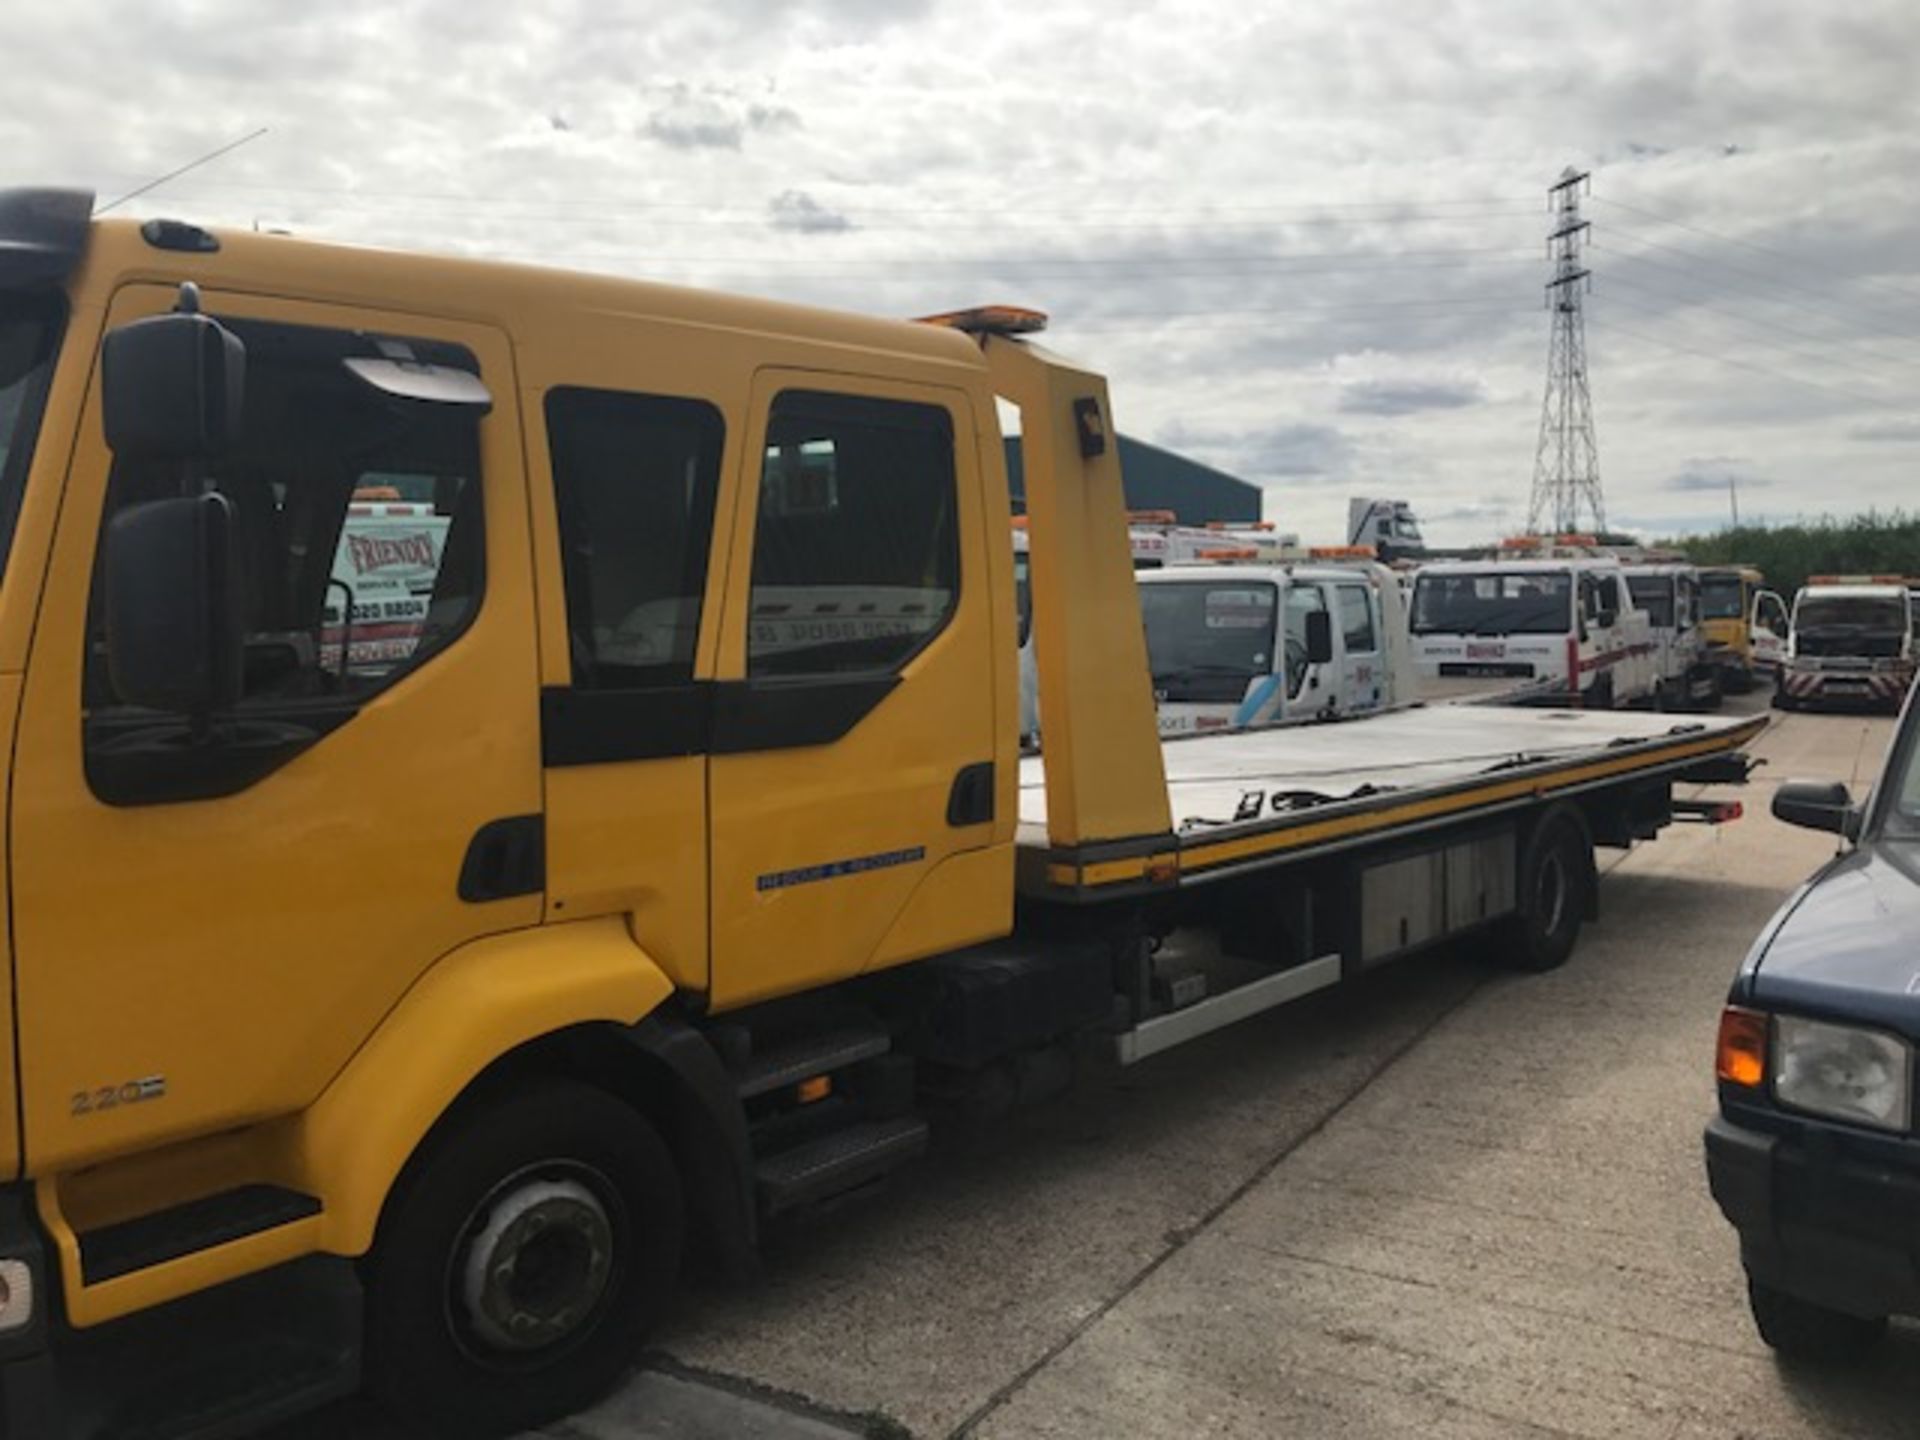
point(400, 1013)
point(1745, 623)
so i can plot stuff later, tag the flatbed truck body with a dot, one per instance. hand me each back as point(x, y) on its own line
point(404, 1017)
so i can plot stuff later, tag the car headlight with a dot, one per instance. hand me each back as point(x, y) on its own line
point(1843, 1072)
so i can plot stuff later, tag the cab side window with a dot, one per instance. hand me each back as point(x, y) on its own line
point(634, 479)
point(358, 542)
point(1356, 619)
point(856, 557)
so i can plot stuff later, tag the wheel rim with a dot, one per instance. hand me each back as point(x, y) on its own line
point(537, 1260)
point(1550, 892)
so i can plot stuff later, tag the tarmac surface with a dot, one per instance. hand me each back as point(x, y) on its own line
point(1452, 1202)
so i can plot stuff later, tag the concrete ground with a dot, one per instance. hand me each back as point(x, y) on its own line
point(1451, 1202)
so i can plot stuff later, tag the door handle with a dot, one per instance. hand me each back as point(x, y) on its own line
point(505, 858)
point(970, 802)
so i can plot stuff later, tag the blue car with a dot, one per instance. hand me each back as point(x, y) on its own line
point(1814, 1156)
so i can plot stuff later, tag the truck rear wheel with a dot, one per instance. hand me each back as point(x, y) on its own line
point(520, 1262)
point(1802, 1330)
point(1551, 900)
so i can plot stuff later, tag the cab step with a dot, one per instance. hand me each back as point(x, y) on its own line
point(839, 1161)
point(818, 1054)
point(148, 1240)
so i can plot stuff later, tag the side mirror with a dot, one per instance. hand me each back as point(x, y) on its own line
point(171, 387)
point(172, 617)
point(1606, 619)
point(1319, 637)
point(1818, 805)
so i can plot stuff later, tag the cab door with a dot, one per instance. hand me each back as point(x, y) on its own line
point(210, 917)
point(1768, 628)
point(858, 819)
point(1362, 684)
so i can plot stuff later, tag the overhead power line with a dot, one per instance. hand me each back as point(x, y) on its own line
point(1799, 261)
point(1724, 359)
point(1671, 312)
point(1003, 207)
point(1689, 302)
point(1721, 269)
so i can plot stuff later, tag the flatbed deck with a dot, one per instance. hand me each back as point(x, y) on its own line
point(1251, 798)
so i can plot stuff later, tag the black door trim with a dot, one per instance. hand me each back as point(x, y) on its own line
point(703, 717)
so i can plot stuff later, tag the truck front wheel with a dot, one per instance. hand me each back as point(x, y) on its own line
point(1802, 1330)
point(1552, 896)
point(521, 1260)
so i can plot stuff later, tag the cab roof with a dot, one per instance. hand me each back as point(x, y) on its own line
point(1525, 567)
point(46, 236)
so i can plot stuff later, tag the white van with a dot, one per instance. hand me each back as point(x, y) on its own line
point(1561, 630)
point(1233, 646)
point(1687, 674)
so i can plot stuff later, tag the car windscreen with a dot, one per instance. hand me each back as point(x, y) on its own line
point(1850, 612)
point(1903, 782)
point(1494, 602)
point(1720, 597)
point(1209, 628)
point(1653, 594)
point(29, 334)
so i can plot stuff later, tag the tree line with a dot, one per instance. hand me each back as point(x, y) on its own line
point(1876, 543)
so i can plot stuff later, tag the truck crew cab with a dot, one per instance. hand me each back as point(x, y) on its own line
point(1814, 1156)
point(404, 1013)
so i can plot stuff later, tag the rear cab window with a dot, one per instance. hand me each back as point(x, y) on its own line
point(856, 549)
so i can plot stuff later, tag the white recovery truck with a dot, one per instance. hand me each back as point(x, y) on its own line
point(1687, 674)
point(1852, 643)
point(1559, 630)
point(1237, 644)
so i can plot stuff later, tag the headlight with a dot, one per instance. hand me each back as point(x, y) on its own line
point(1842, 1072)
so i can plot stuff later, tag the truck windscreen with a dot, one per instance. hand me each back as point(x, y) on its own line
point(1720, 597)
point(1197, 628)
point(1494, 602)
point(1851, 612)
point(29, 332)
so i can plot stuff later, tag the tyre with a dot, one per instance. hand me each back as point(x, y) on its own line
point(1599, 696)
point(1739, 680)
point(529, 1246)
point(1802, 1330)
point(1706, 679)
point(1551, 901)
point(1782, 700)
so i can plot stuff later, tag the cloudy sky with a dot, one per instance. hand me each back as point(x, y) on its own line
point(1304, 239)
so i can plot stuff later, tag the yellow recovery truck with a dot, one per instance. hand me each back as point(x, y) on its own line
point(401, 1011)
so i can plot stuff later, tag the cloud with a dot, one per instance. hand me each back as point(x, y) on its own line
point(1898, 432)
point(714, 119)
point(798, 211)
point(1301, 451)
point(1407, 397)
point(696, 125)
point(772, 117)
point(1714, 473)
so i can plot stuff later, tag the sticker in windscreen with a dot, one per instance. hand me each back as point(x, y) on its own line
point(1240, 609)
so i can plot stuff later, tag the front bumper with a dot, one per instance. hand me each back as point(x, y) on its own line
point(1855, 687)
point(1816, 1222)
